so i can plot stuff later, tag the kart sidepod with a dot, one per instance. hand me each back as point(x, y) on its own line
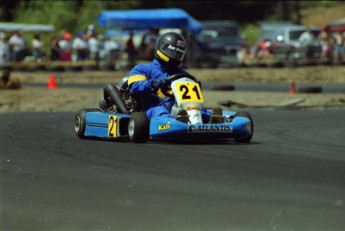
point(93, 123)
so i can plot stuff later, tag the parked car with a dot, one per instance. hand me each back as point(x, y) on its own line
point(220, 42)
point(284, 37)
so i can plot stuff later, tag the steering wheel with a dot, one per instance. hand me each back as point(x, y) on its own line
point(172, 78)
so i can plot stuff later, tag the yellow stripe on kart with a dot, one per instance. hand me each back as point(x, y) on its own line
point(136, 78)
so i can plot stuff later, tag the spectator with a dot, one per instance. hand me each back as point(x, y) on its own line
point(54, 49)
point(90, 30)
point(131, 51)
point(247, 55)
point(326, 45)
point(94, 46)
point(80, 47)
point(4, 49)
point(65, 47)
point(37, 45)
point(17, 46)
point(339, 47)
point(264, 50)
point(151, 36)
point(112, 50)
point(150, 43)
point(150, 49)
point(148, 39)
point(307, 41)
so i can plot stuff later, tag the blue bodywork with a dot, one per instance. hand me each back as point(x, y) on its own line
point(110, 125)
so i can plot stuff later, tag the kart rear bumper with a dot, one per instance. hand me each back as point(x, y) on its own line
point(170, 129)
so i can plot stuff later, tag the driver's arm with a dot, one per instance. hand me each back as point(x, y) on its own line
point(138, 85)
point(138, 82)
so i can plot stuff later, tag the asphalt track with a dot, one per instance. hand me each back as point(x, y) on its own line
point(290, 177)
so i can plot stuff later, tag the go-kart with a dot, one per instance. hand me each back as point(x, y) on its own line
point(128, 121)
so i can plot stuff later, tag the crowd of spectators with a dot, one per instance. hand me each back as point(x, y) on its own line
point(331, 45)
point(89, 45)
point(328, 44)
point(84, 45)
point(81, 46)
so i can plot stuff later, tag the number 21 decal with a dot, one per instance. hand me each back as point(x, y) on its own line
point(112, 126)
point(189, 92)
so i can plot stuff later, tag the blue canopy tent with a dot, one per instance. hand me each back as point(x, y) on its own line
point(151, 18)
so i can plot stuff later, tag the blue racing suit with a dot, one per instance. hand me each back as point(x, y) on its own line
point(140, 85)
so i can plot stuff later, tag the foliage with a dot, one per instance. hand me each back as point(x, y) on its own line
point(74, 15)
point(69, 13)
point(70, 16)
point(250, 33)
point(42, 13)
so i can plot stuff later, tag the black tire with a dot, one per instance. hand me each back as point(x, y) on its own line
point(56, 68)
point(39, 67)
point(138, 127)
point(90, 68)
point(245, 139)
point(80, 121)
point(209, 65)
point(74, 68)
point(274, 64)
point(193, 65)
point(224, 87)
point(225, 65)
point(290, 64)
point(309, 90)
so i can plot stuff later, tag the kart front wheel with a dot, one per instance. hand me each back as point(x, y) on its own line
point(250, 127)
point(138, 127)
point(80, 121)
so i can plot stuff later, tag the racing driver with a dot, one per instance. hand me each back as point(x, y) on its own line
point(145, 80)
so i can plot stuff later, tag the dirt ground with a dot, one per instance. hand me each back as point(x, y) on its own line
point(42, 99)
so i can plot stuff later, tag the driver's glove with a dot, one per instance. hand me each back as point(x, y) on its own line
point(158, 83)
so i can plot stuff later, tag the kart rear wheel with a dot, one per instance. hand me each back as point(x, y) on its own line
point(245, 139)
point(138, 127)
point(80, 121)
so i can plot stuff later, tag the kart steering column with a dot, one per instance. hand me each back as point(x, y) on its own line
point(112, 92)
point(162, 101)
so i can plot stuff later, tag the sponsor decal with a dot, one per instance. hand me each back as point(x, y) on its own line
point(162, 127)
point(209, 128)
point(193, 108)
point(176, 49)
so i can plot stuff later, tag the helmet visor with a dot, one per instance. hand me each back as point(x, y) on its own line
point(176, 53)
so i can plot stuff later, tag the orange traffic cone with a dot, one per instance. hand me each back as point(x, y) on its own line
point(52, 83)
point(292, 88)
